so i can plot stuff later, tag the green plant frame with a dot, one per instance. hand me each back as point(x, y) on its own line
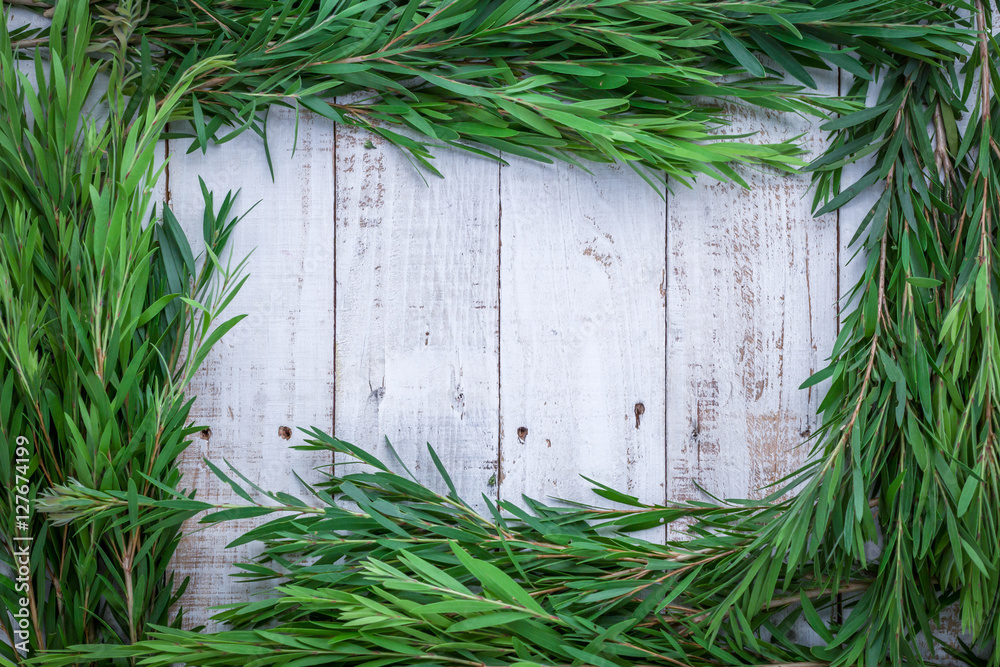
point(104, 319)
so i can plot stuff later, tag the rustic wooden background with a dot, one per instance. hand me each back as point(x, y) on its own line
point(533, 322)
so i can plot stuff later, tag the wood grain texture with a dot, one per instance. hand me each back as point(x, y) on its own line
point(751, 313)
point(417, 284)
point(275, 369)
point(582, 271)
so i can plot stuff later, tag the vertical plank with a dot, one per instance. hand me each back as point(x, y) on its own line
point(417, 344)
point(582, 332)
point(274, 371)
point(751, 293)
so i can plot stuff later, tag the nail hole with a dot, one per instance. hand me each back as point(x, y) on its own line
point(522, 433)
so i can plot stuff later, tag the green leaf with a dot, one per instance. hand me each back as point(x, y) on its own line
point(982, 288)
point(741, 54)
point(215, 336)
point(237, 489)
point(968, 494)
point(442, 471)
point(924, 282)
point(782, 57)
point(487, 621)
point(819, 376)
point(496, 581)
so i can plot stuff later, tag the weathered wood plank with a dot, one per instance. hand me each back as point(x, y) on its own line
point(417, 345)
point(751, 294)
point(274, 371)
point(582, 332)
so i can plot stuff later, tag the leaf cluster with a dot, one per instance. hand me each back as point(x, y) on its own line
point(104, 318)
point(377, 569)
point(644, 83)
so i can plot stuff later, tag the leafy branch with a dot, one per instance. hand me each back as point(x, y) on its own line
point(613, 80)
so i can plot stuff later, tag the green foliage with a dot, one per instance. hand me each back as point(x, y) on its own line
point(377, 569)
point(104, 318)
point(908, 454)
point(642, 82)
point(894, 518)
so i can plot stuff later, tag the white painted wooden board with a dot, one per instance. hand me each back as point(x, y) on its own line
point(417, 294)
point(275, 369)
point(514, 318)
point(751, 313)
point(582, 275)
